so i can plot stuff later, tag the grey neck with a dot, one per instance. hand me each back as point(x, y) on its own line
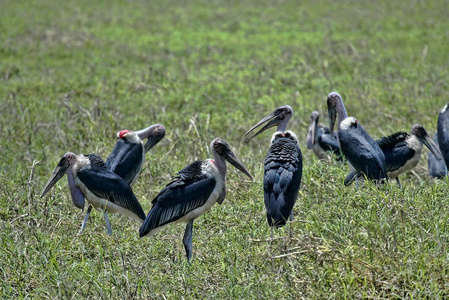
point(341, 111)
point(220, 163)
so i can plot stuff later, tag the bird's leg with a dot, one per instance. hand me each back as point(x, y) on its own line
point(187, 240)
point(290, 227)
point(399, 183)
point(108, 224)
point(89, 209)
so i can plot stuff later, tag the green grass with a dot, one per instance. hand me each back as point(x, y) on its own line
point(73, 73)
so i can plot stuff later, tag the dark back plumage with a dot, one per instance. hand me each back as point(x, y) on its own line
point(392, 141)
point(126, 160)
point(362, 152)
point(396, 150)
point(282, 179)
point(95, 160)
point(326, 142)
point(188, 191)
point(108, 185)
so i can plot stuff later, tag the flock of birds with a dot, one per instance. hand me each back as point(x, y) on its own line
point(107, 185)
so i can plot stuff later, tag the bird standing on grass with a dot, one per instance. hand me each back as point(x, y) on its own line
point(192, 193)
point(90, 180)
point(402, 151)
point(282, 167)
point(361, 151)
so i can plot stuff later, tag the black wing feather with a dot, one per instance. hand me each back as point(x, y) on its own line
point(397, 139)
point(282, 179)
point(107, 185)
point(362, 152)
point(190, 190)
point(329, 144)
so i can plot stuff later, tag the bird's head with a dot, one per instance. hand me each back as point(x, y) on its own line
point(278, 117)
point(332, 102)
point(221, 148)
point(155, 134)
point(63, 166)
point(122, 133)
point(420, 132)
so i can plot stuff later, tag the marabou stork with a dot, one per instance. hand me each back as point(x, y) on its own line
point(402, 151)
point(192, 193)
point(320, 140)
point(127, 158)
point(443, 133)
point(282, 167)
point(89, 179)
point(362, 152)
point(437, 167)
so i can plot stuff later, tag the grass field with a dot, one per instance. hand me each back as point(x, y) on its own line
point(73, 73)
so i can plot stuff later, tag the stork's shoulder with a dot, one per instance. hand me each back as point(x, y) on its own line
point(95, 160)
point(283, 149)
point(395, 140)
point(193, 172)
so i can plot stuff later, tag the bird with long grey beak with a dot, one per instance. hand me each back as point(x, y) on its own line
point(192, 193)
point(127, 158)
point(360, 150)
point(90, 180)
point(319, 139)
point(443, 133)
point(437, 167)
point(282, 167)
point(402, 151)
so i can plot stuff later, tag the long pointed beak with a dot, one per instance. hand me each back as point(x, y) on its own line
point(155, 137)
point(233, 160)
point(432, 147)
point(311, 134)
point(155, 133)
point(59, 171)
point(332, 117)
point(274, 121)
